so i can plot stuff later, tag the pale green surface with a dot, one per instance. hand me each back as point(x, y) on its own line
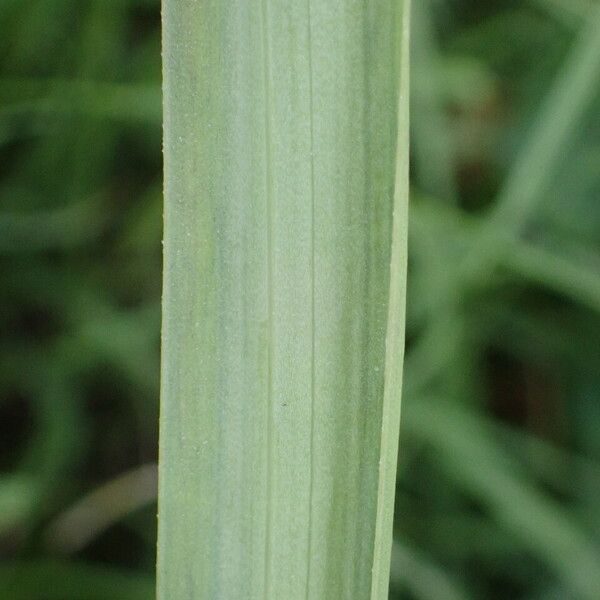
point(280, 159)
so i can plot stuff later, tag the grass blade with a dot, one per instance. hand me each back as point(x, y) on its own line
point(470, 454)
point(561, 113)
point(280, 393)
point(426, 580)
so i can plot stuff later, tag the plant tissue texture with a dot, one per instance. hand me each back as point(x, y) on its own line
point(285, 145)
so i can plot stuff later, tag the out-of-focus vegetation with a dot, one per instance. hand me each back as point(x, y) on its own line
point(500, 453)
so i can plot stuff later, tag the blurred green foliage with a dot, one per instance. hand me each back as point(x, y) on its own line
point(500, 453)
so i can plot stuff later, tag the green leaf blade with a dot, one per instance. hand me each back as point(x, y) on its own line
point(280, 160)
